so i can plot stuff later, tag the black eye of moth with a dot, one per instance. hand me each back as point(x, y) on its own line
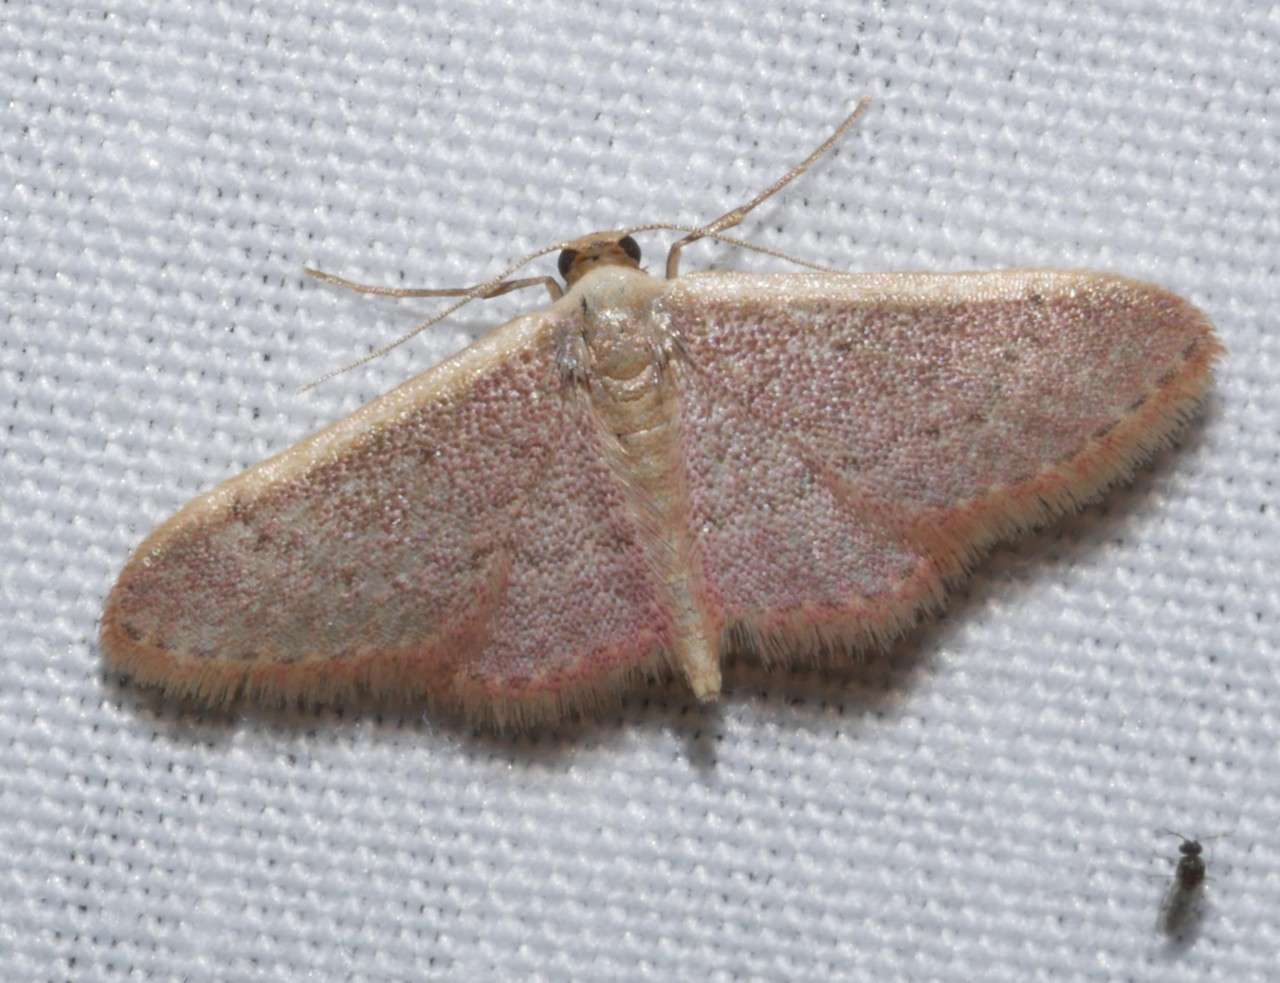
point(630, 247)
point(567, 256)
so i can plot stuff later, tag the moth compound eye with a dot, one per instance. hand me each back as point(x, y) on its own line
point(630, 247)
point(565, 263)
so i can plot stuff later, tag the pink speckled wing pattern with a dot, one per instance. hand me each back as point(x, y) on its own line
point(461, 538)
point(651, 470)
point(855, 441)
point(783, 543)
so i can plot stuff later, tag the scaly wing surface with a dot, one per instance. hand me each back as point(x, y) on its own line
point(852, 442)
point(463, 537)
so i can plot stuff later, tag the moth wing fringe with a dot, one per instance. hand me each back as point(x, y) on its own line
point(823, 640)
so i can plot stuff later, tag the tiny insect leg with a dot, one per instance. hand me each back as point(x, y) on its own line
point(731, 218)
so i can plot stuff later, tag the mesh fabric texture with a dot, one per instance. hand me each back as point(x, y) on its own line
point(983, 803)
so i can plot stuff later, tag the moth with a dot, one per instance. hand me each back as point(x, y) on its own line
point(649, 471)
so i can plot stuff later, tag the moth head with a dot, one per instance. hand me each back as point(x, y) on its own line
point(598, 249)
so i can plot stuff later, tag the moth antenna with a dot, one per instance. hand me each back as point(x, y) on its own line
point(499, 285)
point(734, 241)
point(731, 218)
point(490, 288)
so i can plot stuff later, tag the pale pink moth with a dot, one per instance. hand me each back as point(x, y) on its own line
point(650, 472)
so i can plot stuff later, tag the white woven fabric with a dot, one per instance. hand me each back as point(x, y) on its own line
point(984, 804)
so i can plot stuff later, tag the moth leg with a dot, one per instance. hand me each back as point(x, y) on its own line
point(731, 218)
point(572, 358)
point(666, 345)
point(552, 285)
point(468, 294)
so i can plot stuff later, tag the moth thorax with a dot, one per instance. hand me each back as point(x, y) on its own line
point(618, 324)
